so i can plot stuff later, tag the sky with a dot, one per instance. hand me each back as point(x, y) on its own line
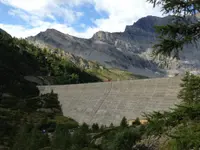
point(81, 18)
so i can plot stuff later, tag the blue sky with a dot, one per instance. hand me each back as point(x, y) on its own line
point(82, 18)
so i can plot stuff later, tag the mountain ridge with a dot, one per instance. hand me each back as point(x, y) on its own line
point(128, 50)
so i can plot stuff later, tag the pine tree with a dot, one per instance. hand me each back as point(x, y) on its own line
point(111, 125)
point(95, 127)
point(136, 122)
point(185, 28)
point(84, 127)
point(190, 92)
point(124, 122)
point(103, 127)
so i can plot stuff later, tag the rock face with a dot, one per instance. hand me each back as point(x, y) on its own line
point(128, 50)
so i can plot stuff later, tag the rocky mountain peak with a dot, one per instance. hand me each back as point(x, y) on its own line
point(51, 32)
point(148, 23)
point(125, 50)
point(101, 35)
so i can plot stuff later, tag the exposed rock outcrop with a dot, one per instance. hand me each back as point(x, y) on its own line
point(126, 50)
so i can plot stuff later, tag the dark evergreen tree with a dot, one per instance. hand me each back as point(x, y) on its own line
point(124, 122)
point(190, 92)
point(95, 127)
point(111, 125)
point(136, 122)
point(84, 127)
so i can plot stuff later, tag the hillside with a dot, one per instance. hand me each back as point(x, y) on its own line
point(129, 50)
point(53, 66)
point(91, 67)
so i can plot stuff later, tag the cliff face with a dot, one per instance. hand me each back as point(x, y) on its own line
point(128, 50)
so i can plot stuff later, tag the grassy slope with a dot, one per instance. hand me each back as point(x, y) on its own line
point(114, 74)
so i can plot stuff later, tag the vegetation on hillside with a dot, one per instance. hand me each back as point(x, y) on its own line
point(91, 67)
point(29, 121)
point(113, 74)
point(29, 60)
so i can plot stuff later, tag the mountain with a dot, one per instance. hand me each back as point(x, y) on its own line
point(96, 69)
point(20, 59)
point(129, 50)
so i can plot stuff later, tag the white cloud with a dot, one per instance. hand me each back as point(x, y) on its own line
point(16, 30)
point(46, 8)
point(120, 13)
point(26, 4)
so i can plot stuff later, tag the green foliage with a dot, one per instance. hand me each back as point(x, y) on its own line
point(80, 139)
point(30, 138)
point(190, 92)
point(187, 137)
point(68, 122)
point(18, 58)
point(61, 139)
point(181, 124)
point(29, 121)
point(84, 127)
point(136, 122)
point(95, 127)
point(113, 74)
point(124, 122)
point(126, 139)
point(121, 139)
point(184, 29)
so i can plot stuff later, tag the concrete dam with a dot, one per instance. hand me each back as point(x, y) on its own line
point(109, 102)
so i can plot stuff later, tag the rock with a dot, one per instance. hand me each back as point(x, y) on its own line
point(98, 141)
point(151, 143)
point(123, 50)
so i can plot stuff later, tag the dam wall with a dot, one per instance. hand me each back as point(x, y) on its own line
point(109, 102)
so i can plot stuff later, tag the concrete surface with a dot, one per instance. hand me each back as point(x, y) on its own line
point(109, 102)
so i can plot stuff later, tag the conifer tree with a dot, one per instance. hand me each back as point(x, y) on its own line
point(136, 122)
point(190, 92)
point(84, 127)
point(111, 125)
point(95, 127)
point(124, 122)
point(184, 30)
